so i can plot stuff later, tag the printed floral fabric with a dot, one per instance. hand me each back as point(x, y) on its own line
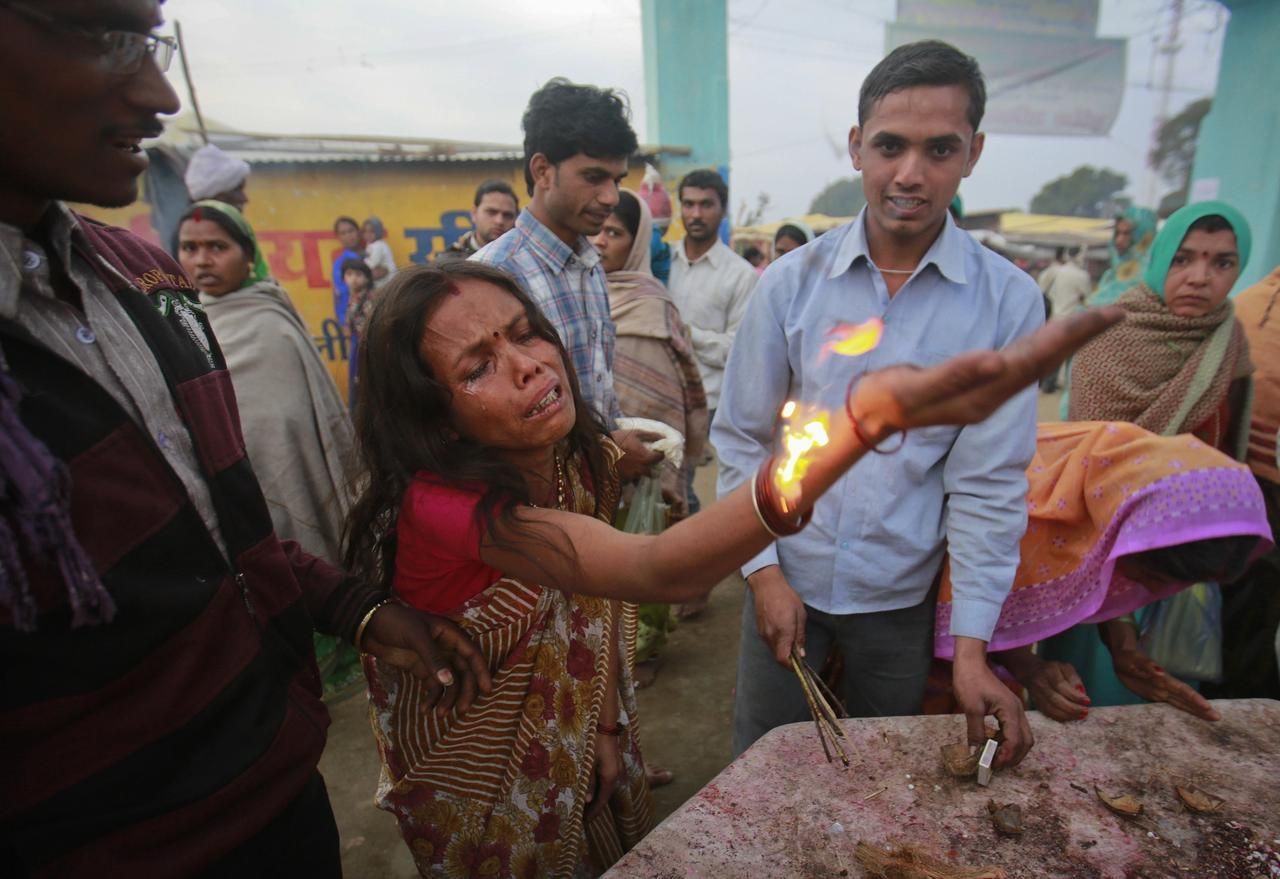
point(502, 790)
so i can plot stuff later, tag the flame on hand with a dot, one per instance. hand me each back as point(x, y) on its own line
point(852, 340)
point(798, 442)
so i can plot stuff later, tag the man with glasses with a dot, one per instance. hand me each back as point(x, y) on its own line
point(160, 713)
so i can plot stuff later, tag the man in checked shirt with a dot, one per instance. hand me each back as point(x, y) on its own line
point(577, 139)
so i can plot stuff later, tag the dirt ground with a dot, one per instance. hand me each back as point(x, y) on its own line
point(684, 726)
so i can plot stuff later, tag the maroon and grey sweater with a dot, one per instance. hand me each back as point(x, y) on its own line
point(155, 744)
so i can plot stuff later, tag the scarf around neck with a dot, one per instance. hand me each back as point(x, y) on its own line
point(1165, 373)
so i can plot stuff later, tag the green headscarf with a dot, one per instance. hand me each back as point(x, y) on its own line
point(1175, 229)
point(260, 271)
point(1126, 268)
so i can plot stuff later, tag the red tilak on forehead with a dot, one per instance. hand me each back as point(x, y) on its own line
point(198, 215)
point(452, 289)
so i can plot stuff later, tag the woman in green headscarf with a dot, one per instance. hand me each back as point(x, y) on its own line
point(1134, 231)
point(1178, 364)
point(296, 428)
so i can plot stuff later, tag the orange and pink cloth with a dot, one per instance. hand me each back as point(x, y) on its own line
point(1100, 491)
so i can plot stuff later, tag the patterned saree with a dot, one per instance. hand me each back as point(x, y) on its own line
point(502, 790)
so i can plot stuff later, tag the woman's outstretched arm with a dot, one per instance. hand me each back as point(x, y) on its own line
point(580, 554)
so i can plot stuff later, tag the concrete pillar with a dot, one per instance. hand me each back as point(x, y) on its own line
point(686, 77)
point(1236, 156)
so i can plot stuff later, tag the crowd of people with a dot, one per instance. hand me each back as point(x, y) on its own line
point(190, 514)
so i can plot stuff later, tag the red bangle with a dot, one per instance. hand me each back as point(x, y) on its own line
point(764, 497)
point(857, 429)
point(615, 730)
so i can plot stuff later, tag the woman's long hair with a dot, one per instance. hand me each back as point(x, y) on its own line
point(404, 424)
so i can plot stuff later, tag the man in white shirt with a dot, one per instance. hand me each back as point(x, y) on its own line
point(1066, 291)
point(1049, 272)
point(1070, 286)
point(711, 285)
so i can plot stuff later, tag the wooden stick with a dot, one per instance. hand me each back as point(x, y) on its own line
point(808, 695)
point(832, 717)
point(824, 726)
point(807, 689)
point(822, 739)
point(815, 696)
point(844, 758)
point(834, 699)
point(824, 717)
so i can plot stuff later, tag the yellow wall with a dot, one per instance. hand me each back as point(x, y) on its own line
point(292, 208)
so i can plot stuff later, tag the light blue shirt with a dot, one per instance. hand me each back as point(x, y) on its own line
point(877, 538)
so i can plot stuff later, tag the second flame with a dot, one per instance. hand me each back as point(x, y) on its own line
point(848, 340)
point(852, 340)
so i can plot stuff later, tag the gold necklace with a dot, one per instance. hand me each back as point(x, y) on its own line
point(561, 484)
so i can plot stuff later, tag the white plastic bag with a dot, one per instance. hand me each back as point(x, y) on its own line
point(1183, 633)
point(672, 443)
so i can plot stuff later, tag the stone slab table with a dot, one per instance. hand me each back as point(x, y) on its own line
point(781, 810)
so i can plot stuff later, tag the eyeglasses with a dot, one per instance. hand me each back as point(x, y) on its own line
point(118, 51)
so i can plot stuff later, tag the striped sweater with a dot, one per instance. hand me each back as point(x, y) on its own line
point(157, 743)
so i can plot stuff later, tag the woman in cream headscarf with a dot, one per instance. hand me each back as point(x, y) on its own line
point(296, 428)
point(654, 368)
point(655, 373)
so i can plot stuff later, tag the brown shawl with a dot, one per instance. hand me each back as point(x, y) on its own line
point(654, 368)
point(1165, 373)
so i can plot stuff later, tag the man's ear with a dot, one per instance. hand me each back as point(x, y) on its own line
point(855, 147)
point(542, 170)
point(975, 151)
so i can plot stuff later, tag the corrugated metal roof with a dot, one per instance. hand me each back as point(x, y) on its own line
point(269, 148)
point(261, 149)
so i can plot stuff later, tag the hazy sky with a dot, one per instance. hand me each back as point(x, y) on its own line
point(464, 70)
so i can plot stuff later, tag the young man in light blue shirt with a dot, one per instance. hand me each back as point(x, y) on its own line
point(862, 574)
